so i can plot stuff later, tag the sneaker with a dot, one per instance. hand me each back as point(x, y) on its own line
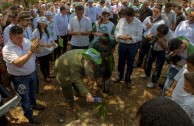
point(150, 85)
point(143, 76)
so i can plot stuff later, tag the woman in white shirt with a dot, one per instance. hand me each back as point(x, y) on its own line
point(46, 44)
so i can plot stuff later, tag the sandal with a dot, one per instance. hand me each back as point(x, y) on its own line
point(51, 76)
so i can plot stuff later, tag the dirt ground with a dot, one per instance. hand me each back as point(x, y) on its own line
point(122, 107)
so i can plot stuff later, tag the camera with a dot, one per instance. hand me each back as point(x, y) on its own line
point(154, 39)
point(172, 59)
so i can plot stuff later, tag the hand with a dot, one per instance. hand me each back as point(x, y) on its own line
point(35, 44)
point(149, 37)
point(120, 37)
point(169, 92)
point(48, 45)
point(53, 43)
point(148, 26)
point(89, 97)
point(9, 12)
point(98, 34)
point(127, 36)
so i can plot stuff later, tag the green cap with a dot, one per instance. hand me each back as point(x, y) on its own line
point(93, 55)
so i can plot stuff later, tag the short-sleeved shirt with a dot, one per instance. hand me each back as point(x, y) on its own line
point(11, 52)
point(91, 12)
point(179, 94)
point(45, 39)
point(185, 29)
point(169, 18)
point(134, 29)
point(84, 25)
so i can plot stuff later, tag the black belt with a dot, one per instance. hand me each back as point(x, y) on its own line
point(127, 44)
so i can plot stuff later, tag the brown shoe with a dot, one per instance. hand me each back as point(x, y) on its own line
point(76, 107)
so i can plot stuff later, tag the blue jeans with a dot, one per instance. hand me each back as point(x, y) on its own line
point(172, 71)
point(26, 87)
point(127, 53)
point(160, 60)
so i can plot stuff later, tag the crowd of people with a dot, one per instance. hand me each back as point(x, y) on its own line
point(154, 32)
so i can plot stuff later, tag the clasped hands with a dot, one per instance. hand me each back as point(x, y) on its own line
point(35, 45)
point(125, 37)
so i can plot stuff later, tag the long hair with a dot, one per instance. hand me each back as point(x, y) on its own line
point(45, 29)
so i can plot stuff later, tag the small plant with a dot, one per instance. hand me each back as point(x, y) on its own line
point(101, 108)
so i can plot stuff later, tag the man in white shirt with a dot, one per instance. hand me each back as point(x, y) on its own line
point(91, 12)
point(186, 28)
point(80, 28)
point(128, 32)
point(24, 21)
point(169, 16)
point(159, 44)
point(61, 21)
point(19, 54)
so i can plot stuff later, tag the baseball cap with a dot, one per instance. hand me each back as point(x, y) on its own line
point(93, 55)
point(42, 19)
point(24, 15)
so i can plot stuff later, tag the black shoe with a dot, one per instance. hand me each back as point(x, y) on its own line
point(117, 80)
point(33, 121)
point(128, 85)
point(39, 107)
point(136, 66)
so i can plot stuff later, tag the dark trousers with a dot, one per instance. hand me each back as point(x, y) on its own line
point(26, 87)
point(57, 51)
point(44, 65)
point(65, 40)
point(159, 56)
point(144, 49)
point(127, 53)
point(78, 47)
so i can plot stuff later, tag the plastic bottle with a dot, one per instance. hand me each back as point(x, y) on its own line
point(97, 99)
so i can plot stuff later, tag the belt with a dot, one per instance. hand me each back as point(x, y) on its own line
point(127, 43)
point(21, 75)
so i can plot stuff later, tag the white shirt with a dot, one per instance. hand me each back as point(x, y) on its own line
point(185, 29)
point(6, 33)
point(11, 52)
point(72, 15)
point(153, 29)
point(169, 18)
point(91, 12)
point(179, 94)
point(43, 40)
point(62, 24)
point(28, 33)
point(84, 25)
point(134, 29)
point(188, 106)
point(52, 29)
point(165, 40)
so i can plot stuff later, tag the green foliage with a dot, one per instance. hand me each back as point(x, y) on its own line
point(5, 5)
point(101, 109)
point(32, 2)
